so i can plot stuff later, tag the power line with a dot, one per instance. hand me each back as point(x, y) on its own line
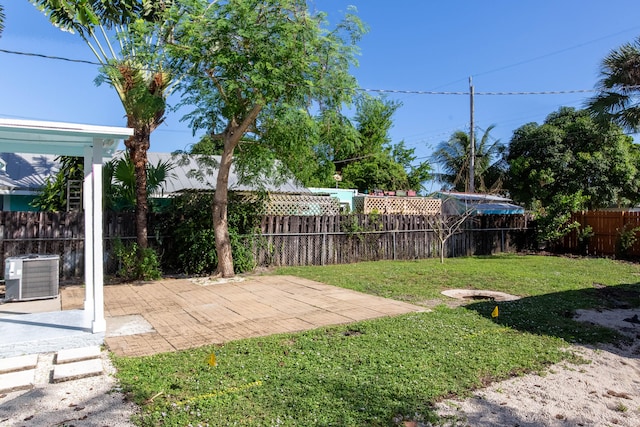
point(536, 58)
point(396, 91)
point(57, 58)
point(420, 92)
point(526, 61)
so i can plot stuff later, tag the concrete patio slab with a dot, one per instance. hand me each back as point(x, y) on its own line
point(176, 314)
point(46, 332)
point(12, 308)
point(183, 314)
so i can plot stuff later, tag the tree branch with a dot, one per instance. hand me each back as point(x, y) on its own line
point(211, 73)
point(237, 131)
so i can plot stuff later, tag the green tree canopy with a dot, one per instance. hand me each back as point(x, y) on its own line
point(370, 160)
point(54, 194)
point(417, 173)
point(319, 146)
point(363, 152)
point(570, 154)
point(247, 63)
point(119, 183)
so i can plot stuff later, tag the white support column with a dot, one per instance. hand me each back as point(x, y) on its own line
point(99, 323)
point(87, 201)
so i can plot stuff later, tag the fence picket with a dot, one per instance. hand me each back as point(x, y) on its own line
point(606, 227)
point(285, 240)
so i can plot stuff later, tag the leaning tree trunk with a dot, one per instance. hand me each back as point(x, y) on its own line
point(220, 221)
point(138, 145)
point(231, 138)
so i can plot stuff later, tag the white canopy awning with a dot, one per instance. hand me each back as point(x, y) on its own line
point(63, 139)
point(93, 143)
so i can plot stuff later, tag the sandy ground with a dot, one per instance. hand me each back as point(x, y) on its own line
point(604, 392)
point(93, 401)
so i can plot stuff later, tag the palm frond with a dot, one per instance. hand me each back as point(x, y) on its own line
point(619, 88)
point(2, 18)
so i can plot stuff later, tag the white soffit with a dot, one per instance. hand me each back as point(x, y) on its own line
point(63, 139)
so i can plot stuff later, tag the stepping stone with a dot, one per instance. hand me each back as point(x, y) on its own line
point(20, 380)
point(18, 363)
point(76, 370)
point(77, 354)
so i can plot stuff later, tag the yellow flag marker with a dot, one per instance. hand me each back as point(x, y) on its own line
point(212, 360)
point(494, 313)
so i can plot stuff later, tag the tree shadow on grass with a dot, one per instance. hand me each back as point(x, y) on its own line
point(553, 314)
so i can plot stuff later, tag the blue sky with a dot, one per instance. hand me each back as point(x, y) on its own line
point(412, 45)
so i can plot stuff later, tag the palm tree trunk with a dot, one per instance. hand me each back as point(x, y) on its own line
point(138, 145)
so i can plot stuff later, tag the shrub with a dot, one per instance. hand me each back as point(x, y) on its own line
point(553, 222)
point(584, 235)
point(136, 263)
point(190, 228)
point(627, 237)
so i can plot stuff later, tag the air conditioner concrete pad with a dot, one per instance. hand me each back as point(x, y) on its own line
point(18, 363)
point(75, 370)
point(20, 380)
point(78, 354)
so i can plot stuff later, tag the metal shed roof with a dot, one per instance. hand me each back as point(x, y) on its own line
point(183, 179)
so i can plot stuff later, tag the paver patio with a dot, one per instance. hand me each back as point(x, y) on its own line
point(184, 314)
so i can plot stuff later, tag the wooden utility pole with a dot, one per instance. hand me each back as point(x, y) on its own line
point(472, 143)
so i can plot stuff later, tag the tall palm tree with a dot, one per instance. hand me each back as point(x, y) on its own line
point(618, 98)
point(454, 157)
point(135, 70)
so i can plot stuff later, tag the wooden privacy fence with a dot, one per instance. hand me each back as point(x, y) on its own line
point(59, 233)
point(285, 240)
point(340, 239)
point(607, 227)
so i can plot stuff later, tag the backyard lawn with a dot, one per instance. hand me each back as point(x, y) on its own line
point(383, 371)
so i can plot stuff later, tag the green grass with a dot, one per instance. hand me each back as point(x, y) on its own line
point(372, 373)
point(416, 281)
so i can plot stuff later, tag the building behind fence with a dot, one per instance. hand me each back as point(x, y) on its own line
point(284, 240)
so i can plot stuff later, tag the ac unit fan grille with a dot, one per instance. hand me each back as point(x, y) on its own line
point(40, 279)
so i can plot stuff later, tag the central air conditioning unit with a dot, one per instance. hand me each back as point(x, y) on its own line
point(30, 277)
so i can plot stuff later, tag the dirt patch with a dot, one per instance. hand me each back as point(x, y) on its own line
point(605, 391)
point(478, 294)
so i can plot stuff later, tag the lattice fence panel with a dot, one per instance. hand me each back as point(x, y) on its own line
point(303, 204)
point(398, 205)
